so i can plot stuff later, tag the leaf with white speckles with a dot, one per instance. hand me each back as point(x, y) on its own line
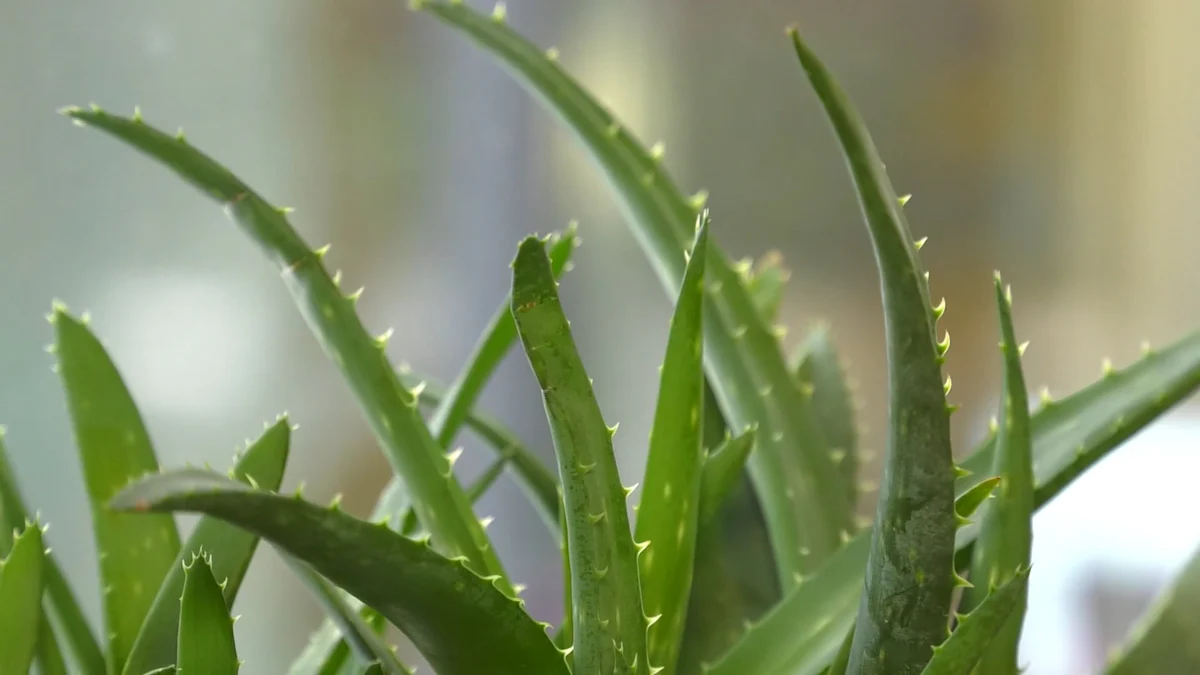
point(114, 448)
point(433, 600)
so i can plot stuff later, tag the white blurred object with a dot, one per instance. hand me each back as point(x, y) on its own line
point(1131, 515)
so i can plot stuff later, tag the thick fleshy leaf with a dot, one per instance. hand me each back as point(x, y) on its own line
point(58, 600)
point(1005, 537)
point(982, 627)
point(818, 367)
point(47, 655)
point(608, 623)
point(326, 650)
point(906, 604)
point(766, 283)
point(390, 409)
point(801, 635)
point(206, 643)
point(230, 549)
point(1163, 640)
point(721, 472)
point(135, 554)
point(969, 502)
point(842, 660)
point(432, 599)
point(668, 514)
point(21, 600)
point(796, 480)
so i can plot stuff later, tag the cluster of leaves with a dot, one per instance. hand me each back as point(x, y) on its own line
point(744, 556)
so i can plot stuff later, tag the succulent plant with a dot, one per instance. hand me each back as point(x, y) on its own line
point(741, 434)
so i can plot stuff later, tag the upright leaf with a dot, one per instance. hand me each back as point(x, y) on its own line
point(668, 515)
point(230, 550)
point(970, 642)
point(435, 601)
point(390, 409)
point(114, 447)
point(909, 580)
point(20, 601)
point(819, 370)
point(58, 600)
point(1006, 535)
point(801, 634)
point(1163, 640)
point(805, 508)
point(608, 622)
point(766, 283)
point(206, 643)
point(721, 472)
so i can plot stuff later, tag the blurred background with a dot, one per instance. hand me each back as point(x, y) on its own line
point(1054, 141)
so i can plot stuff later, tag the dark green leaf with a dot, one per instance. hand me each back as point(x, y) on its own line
point(608, 622)
point(433, 600)
point(114, 448)
point(908, 591)
point(230, 549)
point(20, 601)
point(390, 409)
point(206, 644)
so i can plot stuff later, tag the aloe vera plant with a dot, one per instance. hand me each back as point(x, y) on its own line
point(740, 434)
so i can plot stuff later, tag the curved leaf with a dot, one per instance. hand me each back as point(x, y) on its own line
point(819, 369)
point(608, 622)
point(910, 581)
point(434, 600)
point(230, 550)
point(721, 472)
point(58, 602)
point(135, 553)
point(805, 508)
point(1005, 538)
point(668, 514)
point(801, 634)
point(206, 643)
point(20, 600)
point(390, 409)
point(979, 629)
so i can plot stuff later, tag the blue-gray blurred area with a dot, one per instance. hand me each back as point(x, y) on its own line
point(1054, 141)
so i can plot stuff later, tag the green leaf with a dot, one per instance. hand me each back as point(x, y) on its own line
point(47, 654)
point(1163, 640)
point(206, 642)
point(668, 514)
point(326, 649)
point(766, 283)
point(390, 409)
point(908, 590)
point(801, 634)
point(842, 660)
point(608, 621)
point(976, 631)
point(722, 470)
point(818, 367)
point(433, 600)
point(795, 477)
point(114, 447)
point(537, 481)
point(230, 551)
point(20, 600)
point(565, 637)
point(58, 602)
point(358, 634)
point(1006, 533)
point(970, 501)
